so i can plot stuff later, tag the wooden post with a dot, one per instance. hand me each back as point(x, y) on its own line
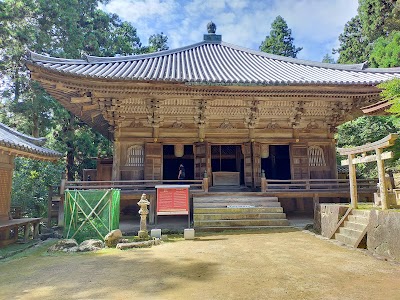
point(26, 232)
point(116, 174)
point(205, 184)
point(49, 206)
point(383, 193)
point(36, 226)
point(353, 182)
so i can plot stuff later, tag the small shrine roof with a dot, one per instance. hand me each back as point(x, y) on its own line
point(217, 63)
point(25, 145)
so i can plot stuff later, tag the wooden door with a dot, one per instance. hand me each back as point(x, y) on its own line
point(153, 161)
point(248, 165)
point(257, 164)
point(202, 161)
point(299, 161)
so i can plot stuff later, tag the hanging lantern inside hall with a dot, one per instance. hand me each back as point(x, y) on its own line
point(264, 151)
point(179, 150)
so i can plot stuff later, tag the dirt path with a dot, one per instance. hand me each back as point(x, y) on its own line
point(285, 265)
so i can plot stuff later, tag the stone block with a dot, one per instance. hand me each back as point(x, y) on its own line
point(156, 233)
point(188, 234)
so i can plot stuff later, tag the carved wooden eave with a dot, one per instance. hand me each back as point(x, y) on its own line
point(156, 108)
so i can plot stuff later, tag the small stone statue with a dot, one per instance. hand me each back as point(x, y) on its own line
point(143, 216)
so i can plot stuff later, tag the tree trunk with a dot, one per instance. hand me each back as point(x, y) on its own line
point(69, 133)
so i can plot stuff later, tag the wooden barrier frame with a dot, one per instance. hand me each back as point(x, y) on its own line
point(379, 156)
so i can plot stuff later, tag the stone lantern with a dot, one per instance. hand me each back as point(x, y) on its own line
point(143, 203)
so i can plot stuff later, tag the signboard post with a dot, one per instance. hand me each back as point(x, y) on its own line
point(173, 200)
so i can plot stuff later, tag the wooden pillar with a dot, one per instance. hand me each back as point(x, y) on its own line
point(353, 182)
point(6, 174)
point(383, 193)
point(116, 174)
point(49, 206)
point(205, 184)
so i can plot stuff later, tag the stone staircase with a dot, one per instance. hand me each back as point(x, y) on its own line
point(232, 211)
point(353, 229)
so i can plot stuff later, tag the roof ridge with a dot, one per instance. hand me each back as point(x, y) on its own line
point(30, 139)
point(88, 59)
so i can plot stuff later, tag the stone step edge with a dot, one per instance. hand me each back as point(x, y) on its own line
point(227, 228)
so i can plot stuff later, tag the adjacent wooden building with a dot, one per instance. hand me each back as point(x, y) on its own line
point(217, 108)
point(13, 144)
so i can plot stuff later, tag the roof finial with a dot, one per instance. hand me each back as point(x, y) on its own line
point(211, 27)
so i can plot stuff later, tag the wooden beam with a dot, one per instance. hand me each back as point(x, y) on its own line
point(78, 100)
point(369, 158)
point(382, 143)
point(90, 107)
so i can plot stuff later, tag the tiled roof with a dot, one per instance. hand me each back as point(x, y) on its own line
point(13, 139)
point(214, 62)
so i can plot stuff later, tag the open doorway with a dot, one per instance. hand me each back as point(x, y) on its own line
point(171, 162)
point(277, 164)
point(227, 158)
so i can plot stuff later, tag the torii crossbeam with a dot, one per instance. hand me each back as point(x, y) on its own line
point(379, 157)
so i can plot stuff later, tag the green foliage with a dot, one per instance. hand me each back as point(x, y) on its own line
point(30, 184)
point(62, 28)
point(328, 59)
point(280, 40)
point(376, 17)
point(386, 51)
point(366, 130)
point(157, 42)
point(354, 46)
point(391, 91)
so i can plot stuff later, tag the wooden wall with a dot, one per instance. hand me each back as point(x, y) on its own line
point(6, 171)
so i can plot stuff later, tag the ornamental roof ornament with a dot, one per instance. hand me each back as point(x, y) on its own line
point(211, 27)
point(211, 36)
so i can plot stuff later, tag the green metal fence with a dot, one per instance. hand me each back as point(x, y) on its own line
point(90, 213)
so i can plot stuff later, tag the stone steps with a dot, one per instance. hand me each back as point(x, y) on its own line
point(225, 210)
point(242, 222)
point(236, 216)
point(353, 230)
point(224, 201)
point(215, 212)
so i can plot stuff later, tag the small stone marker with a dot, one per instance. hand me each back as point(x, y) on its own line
point(155, 233)
point(188, 234)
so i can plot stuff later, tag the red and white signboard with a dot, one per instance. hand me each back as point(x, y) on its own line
point(172, 199)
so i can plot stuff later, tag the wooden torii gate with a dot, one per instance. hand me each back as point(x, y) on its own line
point(379, 156)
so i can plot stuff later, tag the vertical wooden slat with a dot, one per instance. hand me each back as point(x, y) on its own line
point(257, 164)
point(248, 164)
point(202, 160)
point(299, 161)
point(153, 161)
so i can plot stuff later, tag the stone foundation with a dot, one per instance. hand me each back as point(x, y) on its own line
point(383, 233)
point(383, 237)
point(326, 217)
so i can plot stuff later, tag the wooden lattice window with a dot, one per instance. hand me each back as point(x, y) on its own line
point(135, 156)
point(316, 157)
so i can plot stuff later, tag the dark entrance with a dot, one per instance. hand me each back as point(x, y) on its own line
point(277, 165)
point(227, 158)
point(171, 162)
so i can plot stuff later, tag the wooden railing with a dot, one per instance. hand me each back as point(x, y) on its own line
point(133, 185)
point(317, 185)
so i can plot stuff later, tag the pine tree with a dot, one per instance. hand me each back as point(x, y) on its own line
point(280, 40)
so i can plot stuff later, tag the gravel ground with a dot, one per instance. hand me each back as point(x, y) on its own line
point(260, 265)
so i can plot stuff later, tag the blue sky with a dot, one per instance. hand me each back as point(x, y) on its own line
point(315, 24)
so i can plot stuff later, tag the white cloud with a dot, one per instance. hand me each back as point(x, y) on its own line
point(135, 10)
point(315, 24)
